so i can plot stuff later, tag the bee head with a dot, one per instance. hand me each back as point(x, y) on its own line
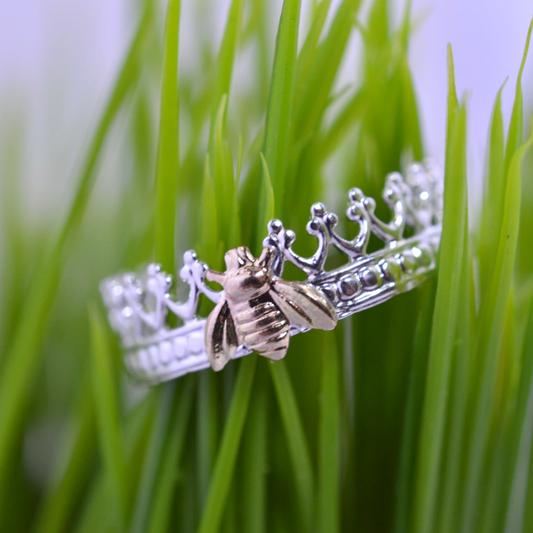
point(245, 277)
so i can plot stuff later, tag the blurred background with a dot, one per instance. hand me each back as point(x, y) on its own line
point(58, 59)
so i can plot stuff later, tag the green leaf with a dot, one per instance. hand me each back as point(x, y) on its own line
point(317, 87)
point(279, 113)
point(343, 123)
point(64, 495)
point(227, 455)
point(167, 165)
point(414, 405)
point(514, 137)
point(329, 440)
point(308, 52)
point(489, 336)
point(105, 394)
point(492, 214)
point(296, 441)
point(152, 462)
point(255, 466)
point(266, 209)
point(170, 458)
point(452, 486)
point(444, 318)
point(224, 182)
point(208, 247)
point(23, 356)
point(226, 58)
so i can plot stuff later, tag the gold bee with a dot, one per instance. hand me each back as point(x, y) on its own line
point(259, 308)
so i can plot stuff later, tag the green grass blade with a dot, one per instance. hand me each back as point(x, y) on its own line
point(296, 441)
point(492, 206)
point(520, 510)
point(444, 319)
point(229, 447)
point(279, 113)
point(413, 410)
point(22, 359)
point(317, 86)
point(515, 135)
point(59, 504)
point(170, 458)
point(308, 51)
point(167, 166)
point(97, 514)
point(254, 504)
point(146, 488)
point(521, 453)
point(207, 434)
point(345, 120)
point(490, 330)
point(452, 489)
point(224, 181)
point(453, 103)
point(266, 209)
point(209, 239)
point(226, 58)
point(329, 440)
point(412, 134)
point(105, 394)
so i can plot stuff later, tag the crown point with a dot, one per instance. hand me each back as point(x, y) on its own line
point(275, 226)
point(318, 209)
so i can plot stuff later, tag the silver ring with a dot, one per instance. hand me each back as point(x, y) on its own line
point(257, 310)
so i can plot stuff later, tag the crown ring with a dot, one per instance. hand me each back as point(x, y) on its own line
point(257, 310)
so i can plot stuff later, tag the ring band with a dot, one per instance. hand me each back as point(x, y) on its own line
point(258, 310)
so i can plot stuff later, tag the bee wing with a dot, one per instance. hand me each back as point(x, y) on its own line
point(220, 336)
point(303, 305)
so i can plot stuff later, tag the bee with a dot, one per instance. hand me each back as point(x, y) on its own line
point(258, 308)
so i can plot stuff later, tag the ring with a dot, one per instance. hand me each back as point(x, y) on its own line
point(257, 310)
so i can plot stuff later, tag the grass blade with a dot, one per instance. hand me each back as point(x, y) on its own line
point(492, 206)
point(22, 358)
point(490, 330)
point(315, 95)
point(255, 463)
point(153, 457)
point(167, 167)
point(444, 319)
point(279, 113)
point(296, 441)
point(59, 504)
point(452, 488)
point(165, 486)
point(514, 138)
point(108, 416)
point(266, 209)
point(227, 455)
point(329, 440)
point(413, 410)
point(226, 58)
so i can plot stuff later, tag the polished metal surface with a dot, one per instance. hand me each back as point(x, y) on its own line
point(257, 310)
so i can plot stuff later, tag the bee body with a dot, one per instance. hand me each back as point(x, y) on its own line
point(261, 326)
point(259, 308)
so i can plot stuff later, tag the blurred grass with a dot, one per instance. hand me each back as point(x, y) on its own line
point(414, 416)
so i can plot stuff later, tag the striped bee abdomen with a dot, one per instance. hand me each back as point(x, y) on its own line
point(262, 326)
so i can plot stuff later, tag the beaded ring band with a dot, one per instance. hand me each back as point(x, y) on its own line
point(257, 310)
